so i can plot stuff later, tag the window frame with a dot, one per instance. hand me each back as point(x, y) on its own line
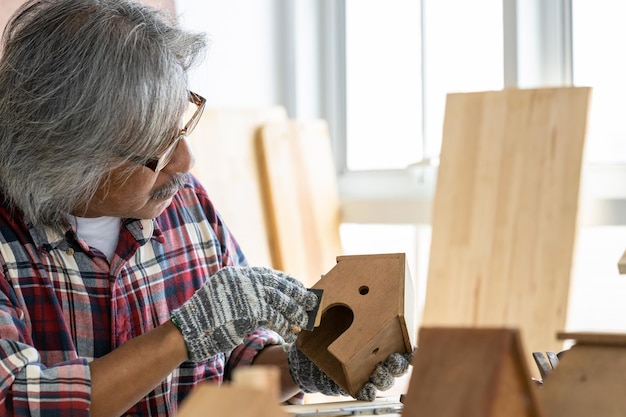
point(537, 53)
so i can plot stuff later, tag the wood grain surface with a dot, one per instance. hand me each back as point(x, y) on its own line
point(463, 372)
point(227, 165)
point(588, 380)
point(299, 183)
point(505, 211)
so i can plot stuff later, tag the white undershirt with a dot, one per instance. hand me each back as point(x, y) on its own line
point(101, 233)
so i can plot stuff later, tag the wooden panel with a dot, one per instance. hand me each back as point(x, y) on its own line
point(224, 147)
point(262, 377)
point(505, 211)
point(252, 394)
point(588, 380)
point(463, 372)
point(300, 185)
point(594, 338)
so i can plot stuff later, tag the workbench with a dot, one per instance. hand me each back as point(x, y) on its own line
point(387, 406)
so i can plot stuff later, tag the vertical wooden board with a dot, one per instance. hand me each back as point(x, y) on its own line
point(301, 196)
point(224, 148)
point(276, 152)
point(505, 211)
point(320, 175)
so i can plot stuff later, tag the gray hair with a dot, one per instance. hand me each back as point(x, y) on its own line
point(85, 85)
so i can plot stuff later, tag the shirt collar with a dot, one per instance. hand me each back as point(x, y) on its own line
point(142, 230)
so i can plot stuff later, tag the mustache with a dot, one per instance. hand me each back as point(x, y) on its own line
point(176, 182)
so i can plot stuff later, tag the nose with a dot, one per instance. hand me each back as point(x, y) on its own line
point(182, 160)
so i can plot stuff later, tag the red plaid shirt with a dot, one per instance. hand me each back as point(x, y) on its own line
point(62, 304)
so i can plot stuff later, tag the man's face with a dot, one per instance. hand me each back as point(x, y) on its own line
point(143, 194)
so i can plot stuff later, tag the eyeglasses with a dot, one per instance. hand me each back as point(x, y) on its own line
point(157, 164)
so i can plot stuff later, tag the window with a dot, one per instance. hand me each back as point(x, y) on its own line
point(460, 46)
point(402, 58)
point(462, 52)
point(598, 35)
point(383, 83)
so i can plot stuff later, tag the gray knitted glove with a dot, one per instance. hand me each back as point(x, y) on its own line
point(310, 378)
point(237, 300)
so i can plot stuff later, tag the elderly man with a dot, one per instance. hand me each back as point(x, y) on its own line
point(120, 285)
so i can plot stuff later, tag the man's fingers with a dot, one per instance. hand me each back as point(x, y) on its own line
point(397, 364)
point(278, 323)
point(288, 285)
point(382, 378)
point(367, 392)
point(293, 311)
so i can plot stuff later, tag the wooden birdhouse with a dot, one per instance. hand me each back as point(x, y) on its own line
point(471, 372)
point(367, 313)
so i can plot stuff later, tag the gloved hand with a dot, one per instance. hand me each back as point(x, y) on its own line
point(237, 300)
point(310, 378)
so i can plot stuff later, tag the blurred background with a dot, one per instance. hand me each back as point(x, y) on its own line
point(378, 72)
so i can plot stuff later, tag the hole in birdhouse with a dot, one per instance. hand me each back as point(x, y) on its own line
point(364, 290)
point(335, 322)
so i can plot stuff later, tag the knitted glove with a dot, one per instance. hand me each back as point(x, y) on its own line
point(310, 378)
point(237, 300)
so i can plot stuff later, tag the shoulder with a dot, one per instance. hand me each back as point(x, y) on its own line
point(12, 224)
point(192, 212)
point(192, 208)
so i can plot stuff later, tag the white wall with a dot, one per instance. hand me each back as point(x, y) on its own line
point(243, 66)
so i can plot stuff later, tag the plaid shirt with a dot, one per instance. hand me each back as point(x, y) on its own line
point(62, 304)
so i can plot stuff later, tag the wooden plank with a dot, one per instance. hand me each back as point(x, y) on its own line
point(262, 377)
point(589, 378)
point(505, 211)
point(594, 338)
point(299, 182)
point(467, 372)
point(250, 395)
point(226, 163)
